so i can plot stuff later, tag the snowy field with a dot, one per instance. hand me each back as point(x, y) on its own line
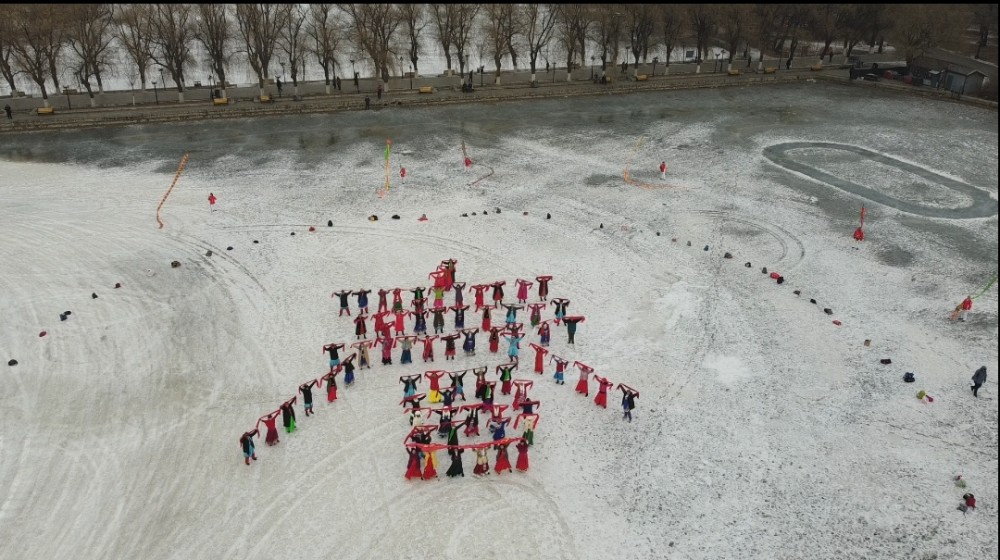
point(762, 429)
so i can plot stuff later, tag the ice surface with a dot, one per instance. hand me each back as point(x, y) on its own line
point(762, 430)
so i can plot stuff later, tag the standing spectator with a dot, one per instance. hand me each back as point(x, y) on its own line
point(368, 102)
point(378, 92)
point(277, 82)
point(10, 114)
point(211, 197)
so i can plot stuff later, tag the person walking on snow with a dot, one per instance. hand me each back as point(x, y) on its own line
point(211, 206)
point(581, 385)
point(331, 385)
point(269, 421)
point(978, 379)
point(663, 170)
point(522, 290)
point(364, 359)
point(561, 305)
point(480, 289)
point(540, 353)
point(543, 286)
point(344, 306)
point(628, 401)
point(246, 443)
point(307, 396)
point(468, 163)
point(603, 385)
point(402, 173)
point(428, 342)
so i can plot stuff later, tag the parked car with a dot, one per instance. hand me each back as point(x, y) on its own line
point(870, 77)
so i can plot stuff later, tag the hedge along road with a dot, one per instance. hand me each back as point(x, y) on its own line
point(983, 206)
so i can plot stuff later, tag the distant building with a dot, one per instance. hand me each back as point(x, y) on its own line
point(955, 72)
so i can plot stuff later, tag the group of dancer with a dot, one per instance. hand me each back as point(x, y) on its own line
point(420, 448)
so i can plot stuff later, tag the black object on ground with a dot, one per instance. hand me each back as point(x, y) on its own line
point(885, 361)
point(329, 223)
point(395, 216)
point(12, 363)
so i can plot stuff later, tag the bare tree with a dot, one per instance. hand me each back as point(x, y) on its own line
point(7, 68)
point(214, 30)
point(465, 18)
point(572, 24)
point(919, 27)
point(260, 27)
point(794, 19)
point(415, 19)
point(89, 36)
point(172, 27)
point(734, 19)
point(538, 22)
point(879, 23)
point(702, 19)
point(374, 26)
point(495, 34)
point(53, 32)
point(822, 23)
point(766, 22)
point(639, 26)
point(607, 33)
point(851, 27)
point(444, 26)
point(292, 40)
point(984, 18)
point(132, 23)
point(30, 43)
point(512, 28)
point(325, 36)
point(671, 26)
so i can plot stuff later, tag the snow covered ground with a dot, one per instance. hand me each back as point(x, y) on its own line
point(762, 430)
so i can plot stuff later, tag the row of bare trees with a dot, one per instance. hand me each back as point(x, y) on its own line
point(47, 41)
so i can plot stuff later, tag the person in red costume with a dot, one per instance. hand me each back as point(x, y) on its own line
point(413, 463)
point(468, 163)
point(400, 321)
point(543, 286)
point(479, 289)
point(482, 462)
point(402, 173)
point(522, 290)
point(521, 387)
point(430, 461)
point(530, 420)
point(502, 461)
point(472, 419)
point(211, 202)
point(540, 353)
point(859, 234)
point(331, 384)
point(269, 421)
point(602, 391)
point(544, 333)
point(494, 339)
point(387, 343)
point(383, 306)
point(434, 380)
point(451, 267)
point(963, 315)
point(663, 170)
point(522, 455)
point(428, 342)
point(397, 299)
point(582, 386)
point(505, 371)
point(487, 322)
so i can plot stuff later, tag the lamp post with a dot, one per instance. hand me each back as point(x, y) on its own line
point(69, 104)
point(354, 73)
point(716, 67)
point(156, 93)
point(162, 81)
point(211, 87)
point(723, 60)
point(412, 72)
